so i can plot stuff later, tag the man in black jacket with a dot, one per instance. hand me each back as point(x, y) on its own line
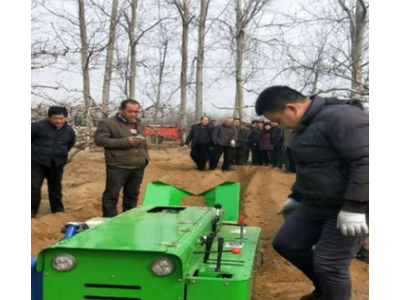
point(277, 140)
point(224, 137)
point(243, 146)
point(254, 140)
point(327, 213)
point(51, 141)
point(200, 138)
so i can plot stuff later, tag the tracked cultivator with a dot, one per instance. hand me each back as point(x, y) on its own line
point(159, 251)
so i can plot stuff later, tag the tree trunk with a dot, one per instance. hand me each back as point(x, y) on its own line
point(109, 58)
point(163, 57)
point(239, 102)
point(85, 63)
point(357, 51)
point(132, 43)
point(185, 38)
point(200, 60)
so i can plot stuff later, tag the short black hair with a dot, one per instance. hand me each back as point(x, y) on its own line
point(128, 101)
point(254, 122)
point(57, 110)
point(236, 119)
point(274, 99)
point(202, 118)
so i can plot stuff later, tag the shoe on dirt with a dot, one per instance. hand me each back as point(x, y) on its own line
point(363, 255)
point(313, 296)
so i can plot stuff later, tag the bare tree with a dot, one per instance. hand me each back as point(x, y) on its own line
point(132, 45)
point(109, 58)
point(183, 9)
point(85, 57)
point(358, 22)
point(244, 15)
point(200, 58)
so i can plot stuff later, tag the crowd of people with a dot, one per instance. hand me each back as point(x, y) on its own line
point(268, 143)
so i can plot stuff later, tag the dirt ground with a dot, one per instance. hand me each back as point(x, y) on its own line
point(263, 190)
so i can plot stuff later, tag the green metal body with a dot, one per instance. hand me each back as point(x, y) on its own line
point(226, 194)
point(114, 257)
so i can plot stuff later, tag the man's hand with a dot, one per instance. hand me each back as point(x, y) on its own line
point(233, 143)
point(288, 207)
point(352, 224)
point(185, 146)
point(135, 142)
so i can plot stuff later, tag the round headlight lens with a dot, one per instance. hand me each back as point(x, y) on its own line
point(162, 267)
point(64, 262)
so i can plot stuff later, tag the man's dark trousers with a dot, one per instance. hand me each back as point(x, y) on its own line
point(53, 175)
point(242, 154)
point(118, 178)
point(255, 153)
point(327, 266)
point(289, 160)
point(214, 156)
point(277, 159)
point(229, 156)
point(200, 155)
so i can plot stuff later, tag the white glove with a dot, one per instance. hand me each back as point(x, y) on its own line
point(185, 146)
point(352, 224)
point(233, 143)
point(288, 207)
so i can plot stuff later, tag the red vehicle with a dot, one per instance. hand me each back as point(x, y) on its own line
point(160, 133)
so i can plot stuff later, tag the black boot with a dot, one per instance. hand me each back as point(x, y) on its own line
point(363, 255)
point(316, 295)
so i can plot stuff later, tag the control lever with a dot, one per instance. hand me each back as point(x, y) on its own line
point(216, 217)
point(241, 223)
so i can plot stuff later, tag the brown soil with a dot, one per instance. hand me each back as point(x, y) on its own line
point(262, 192)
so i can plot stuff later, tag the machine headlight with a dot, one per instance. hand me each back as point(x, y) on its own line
point(162, 267)
point(64, 262)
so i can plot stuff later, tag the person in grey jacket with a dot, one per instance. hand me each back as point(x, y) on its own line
point(224, 137)
point(327, 212)
point(123, 139)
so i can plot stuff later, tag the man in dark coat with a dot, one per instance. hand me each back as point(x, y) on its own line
point(51, 140)
point(224, 138)
point(277, 141)
point(327, 213)
point(200, 139)
point(254, 141)
point(243, 145)
point(266, 146)
point(125, 149)
point(290, 164)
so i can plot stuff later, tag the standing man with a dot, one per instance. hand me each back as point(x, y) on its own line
point(51, 141)
point(243, 146)
point(277, 141)
point(266, 146)
point(236, 150)
point(224, 137)
point(328, 209)
point(254, 140)
point(290, 164)
point(200, 138)
point(123, 139)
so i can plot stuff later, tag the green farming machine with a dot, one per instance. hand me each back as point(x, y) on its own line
point(158, 251)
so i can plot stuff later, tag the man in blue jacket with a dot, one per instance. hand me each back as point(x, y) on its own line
point(51, 140)
point(326, 214)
